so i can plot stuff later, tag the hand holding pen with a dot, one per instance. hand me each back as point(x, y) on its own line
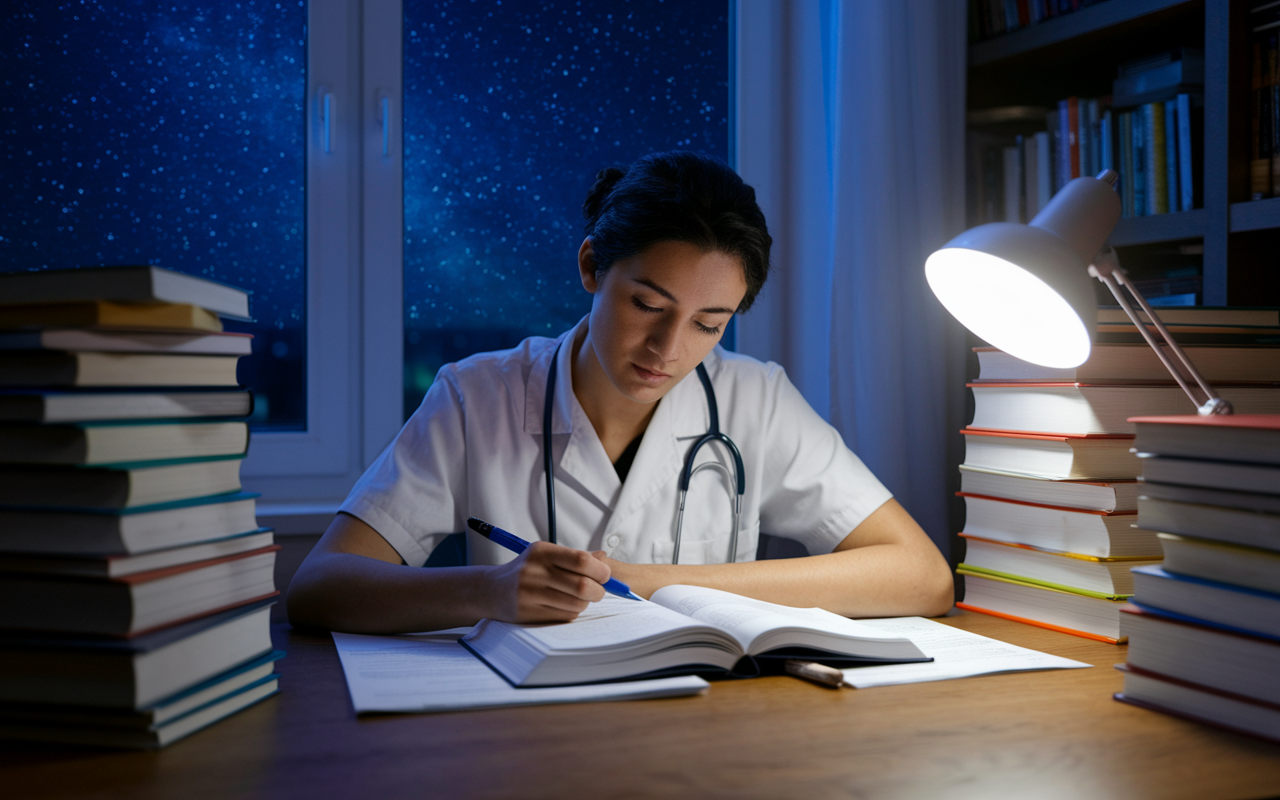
point(547, 582)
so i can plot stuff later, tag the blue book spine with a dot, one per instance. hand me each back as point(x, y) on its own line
point(1064, 146)
point(1186, 176)
point(1171, 155)
point(1139, 164)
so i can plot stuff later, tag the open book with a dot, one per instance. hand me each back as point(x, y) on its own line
point(682, 629)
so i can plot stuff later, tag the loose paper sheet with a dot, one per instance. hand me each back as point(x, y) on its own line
point(956, 654)
point(432, 672)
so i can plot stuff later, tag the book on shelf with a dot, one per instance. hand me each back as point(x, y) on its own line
point(681, 629)
point(74, 368)
point(1135, 363)
point(1093, 495)
point(1159, 77)
point(1247, 567)
point(1230, 475)
point(116, 487)
point(135, 673)
point(1202, 653)
point(1082, 408)
point(42, 405)
point(1109, 577)
point(1249, 501)
point(1233, 316)
point(1232, 525)
point(160, 724)
point(1216, 707)
point(127, 531)
point(1088, 615)
point(1233, 607)
point(131, 604)
point(1065, 530)
point(107, 314)
point(127, 341)
point(120, 443)
point(118, 566)
point(1233, 437)
point(1077, 457)
point(138, 284)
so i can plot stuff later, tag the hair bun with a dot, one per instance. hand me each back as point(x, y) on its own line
point(606, 179)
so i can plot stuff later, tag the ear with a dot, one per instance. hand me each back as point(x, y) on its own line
point(587, 267)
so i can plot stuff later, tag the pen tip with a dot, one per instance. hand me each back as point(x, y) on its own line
point(634, 596)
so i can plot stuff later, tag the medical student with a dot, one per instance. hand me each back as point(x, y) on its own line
point(674, 247)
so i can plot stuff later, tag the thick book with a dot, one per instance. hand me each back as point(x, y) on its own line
point(69, 368)
point(1248, 501)
point(1052, 457)
point(1230, 475)
point(1235, 607)
point(1237, 526)
point(125, 283)
point(1233, 437)
point(1135, 363)
point(118, 566)
point(131, 673)
point(1078, 614)
point(1185, 700)
point(113, 341)
point(1091, 495)
point(150, 738)
point(114, 488)
point(1079, 408)
point(107, 314)
point(137, 603)
point(1247, 567)
point(1194, 650)
point(1107, 577)
point(120, 443)
point(683, 629)
point(1065, 530)
point(37, 405)
point(1196, 316)
point(128, 531)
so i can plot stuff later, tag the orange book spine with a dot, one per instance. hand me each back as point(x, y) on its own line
point(1047, 626)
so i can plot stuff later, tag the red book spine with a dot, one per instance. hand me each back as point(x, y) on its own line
point(1073, 129)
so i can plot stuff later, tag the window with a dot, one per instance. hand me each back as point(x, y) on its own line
point(510, 110)
point(138, 133)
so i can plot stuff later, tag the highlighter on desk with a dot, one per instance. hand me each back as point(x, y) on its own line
point(517, 545)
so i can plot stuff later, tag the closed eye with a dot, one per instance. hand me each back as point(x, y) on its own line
point(643, 307)
point(706, 329)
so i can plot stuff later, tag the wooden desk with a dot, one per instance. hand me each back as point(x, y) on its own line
point(1043, 735)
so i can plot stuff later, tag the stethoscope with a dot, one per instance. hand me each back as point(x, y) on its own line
point(713, 434)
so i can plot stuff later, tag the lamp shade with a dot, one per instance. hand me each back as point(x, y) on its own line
point(1025, 288)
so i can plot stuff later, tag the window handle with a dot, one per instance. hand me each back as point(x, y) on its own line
point(325, 104)
point(384, 119)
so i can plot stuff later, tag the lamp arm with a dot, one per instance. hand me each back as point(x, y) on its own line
point(1106, 268)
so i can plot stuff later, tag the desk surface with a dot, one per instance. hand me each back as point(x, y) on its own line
point(1048, 735)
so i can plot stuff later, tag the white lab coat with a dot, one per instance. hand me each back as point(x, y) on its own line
point(474, 448)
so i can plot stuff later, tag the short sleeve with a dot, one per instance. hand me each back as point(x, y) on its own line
point(814, 489)
point(411, 493)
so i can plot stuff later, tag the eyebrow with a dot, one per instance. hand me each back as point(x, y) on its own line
point(672, 298)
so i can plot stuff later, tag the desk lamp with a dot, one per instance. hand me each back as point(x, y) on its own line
point(1026, 290)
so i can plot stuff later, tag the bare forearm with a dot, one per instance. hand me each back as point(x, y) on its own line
point(357, 594)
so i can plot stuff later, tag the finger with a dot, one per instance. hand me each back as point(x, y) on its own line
point(552, 602)
point(575, 584)
point(581, 562)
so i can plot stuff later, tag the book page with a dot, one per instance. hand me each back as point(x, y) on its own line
point(747, 619)
point(956, 654)
point(614, 621)
point(432, 672)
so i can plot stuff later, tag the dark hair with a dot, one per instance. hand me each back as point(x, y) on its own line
point(678, 196)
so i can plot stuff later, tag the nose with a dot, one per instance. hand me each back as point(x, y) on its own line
point(664, 338)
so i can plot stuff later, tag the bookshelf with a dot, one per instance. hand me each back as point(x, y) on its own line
point(1077, 55)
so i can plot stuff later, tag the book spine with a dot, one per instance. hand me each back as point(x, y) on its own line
point(1010, 15)
point(1185, 176)
point(1055, 150)
point(1063, 169)
point(1044, 170)
point(1273, 95)
point(1259, 169)
point(1139, 163)
point(1126, 163)
point(1084, 138)
point(1073, 134)
point(1024, 14)
point(1106, 153)
point(1157, 199)
point(1171, 156)
point(993, 189)
point(1031, 175)
point(1012, 179)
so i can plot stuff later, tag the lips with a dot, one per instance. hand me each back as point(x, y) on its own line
point(649, 375)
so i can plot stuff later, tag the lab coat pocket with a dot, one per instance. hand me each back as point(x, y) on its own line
point(709, 551)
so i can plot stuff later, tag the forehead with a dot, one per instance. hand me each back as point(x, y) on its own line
point(688, 272)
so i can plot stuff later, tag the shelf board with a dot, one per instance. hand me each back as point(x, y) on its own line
point(1064, 28)
point(1256, 215)
point(1159, 228)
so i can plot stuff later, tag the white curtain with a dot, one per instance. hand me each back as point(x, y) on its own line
point(851, 127)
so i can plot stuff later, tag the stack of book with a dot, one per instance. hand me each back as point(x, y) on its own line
point(1049, 479)
point(135, 583)
point(1204, 628)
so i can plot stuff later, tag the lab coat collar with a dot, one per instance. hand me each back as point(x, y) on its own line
point(536, 384)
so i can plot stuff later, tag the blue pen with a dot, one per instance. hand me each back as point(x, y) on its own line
point(517, 545)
